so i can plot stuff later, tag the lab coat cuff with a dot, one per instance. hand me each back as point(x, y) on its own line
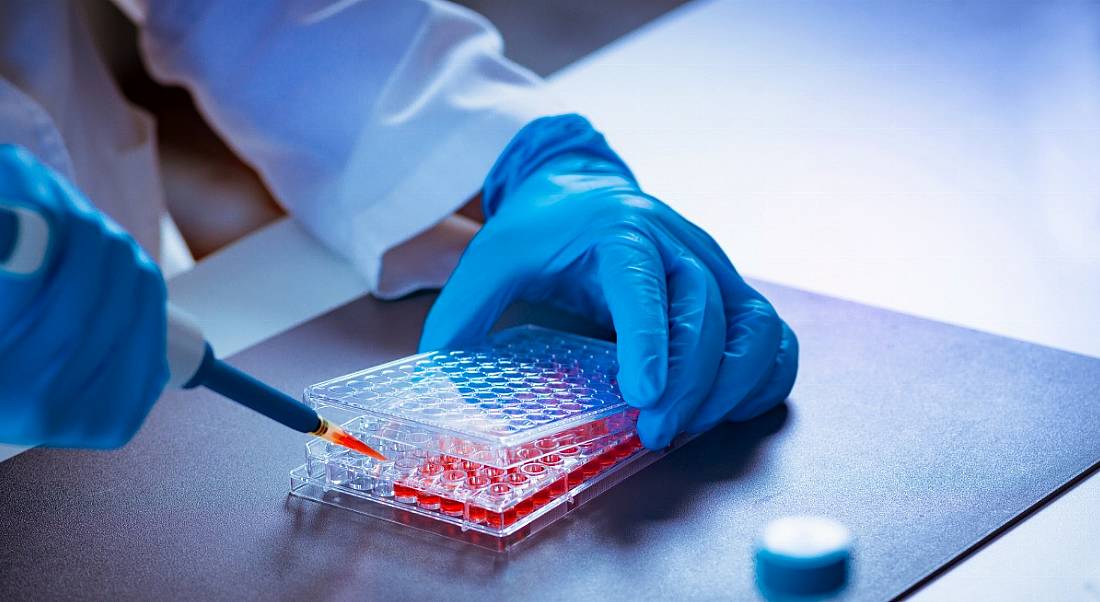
point(165, 22)
point(448, 177)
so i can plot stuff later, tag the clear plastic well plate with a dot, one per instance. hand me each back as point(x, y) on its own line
point(486, 444)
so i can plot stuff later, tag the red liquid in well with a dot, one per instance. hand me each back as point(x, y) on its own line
point(453, 478)
point(558, 487)
point(477, 515)
point(501, 491)
point(426, 500)
point(622, 450)
point(575, 478)
point(404, 493)
point(431, 469)
point(516, 480)
point(540, 480)
point(533, 470)
point(477, 482)
point(551, 460)
point(450, 507)
point(546, 445)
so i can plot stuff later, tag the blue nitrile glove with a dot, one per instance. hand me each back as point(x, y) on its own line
point(82, 338)
point(567, 223)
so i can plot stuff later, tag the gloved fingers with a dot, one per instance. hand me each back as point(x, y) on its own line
point(632, 276)
point(146, 354)
point(753, 336)
point(91, 353)
point(777, 386)
point(91, 261)
point(72, 344)
point(97, 253)
point(46, 328)
point(733, 286)
point(708, 250)
point(754, 330)
point(109, 407)
point(481, 287)
point(696, 330)
point(735, 291)
point(154, 347)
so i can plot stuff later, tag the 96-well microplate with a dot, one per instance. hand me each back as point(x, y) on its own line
point(486, 444)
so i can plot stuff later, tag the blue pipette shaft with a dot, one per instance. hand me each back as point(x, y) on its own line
point(242, 388)
point(222, 378)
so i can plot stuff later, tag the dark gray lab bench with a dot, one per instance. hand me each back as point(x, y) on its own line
point(923, 438)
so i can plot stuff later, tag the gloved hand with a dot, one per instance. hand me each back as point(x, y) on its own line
point(83, 337)
point(566, 223)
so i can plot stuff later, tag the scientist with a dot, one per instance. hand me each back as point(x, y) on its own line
point(369, 122)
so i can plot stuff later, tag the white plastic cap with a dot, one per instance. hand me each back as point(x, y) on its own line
point(186, 346)
point(803, 555)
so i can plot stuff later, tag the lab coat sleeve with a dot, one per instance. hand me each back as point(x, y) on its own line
point(370, 121)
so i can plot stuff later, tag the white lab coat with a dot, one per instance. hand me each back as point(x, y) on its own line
point(370, 121)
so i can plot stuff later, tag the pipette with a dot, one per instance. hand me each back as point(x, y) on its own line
point(25, 248)
point(192, 363)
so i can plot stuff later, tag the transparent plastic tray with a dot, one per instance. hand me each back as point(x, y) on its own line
point(486, 444)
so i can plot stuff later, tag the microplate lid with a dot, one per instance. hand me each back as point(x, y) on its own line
point(522, 384)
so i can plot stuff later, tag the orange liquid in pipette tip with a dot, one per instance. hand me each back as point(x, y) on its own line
point(339, 436)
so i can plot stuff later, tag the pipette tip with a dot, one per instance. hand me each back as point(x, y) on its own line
point(330, 432)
